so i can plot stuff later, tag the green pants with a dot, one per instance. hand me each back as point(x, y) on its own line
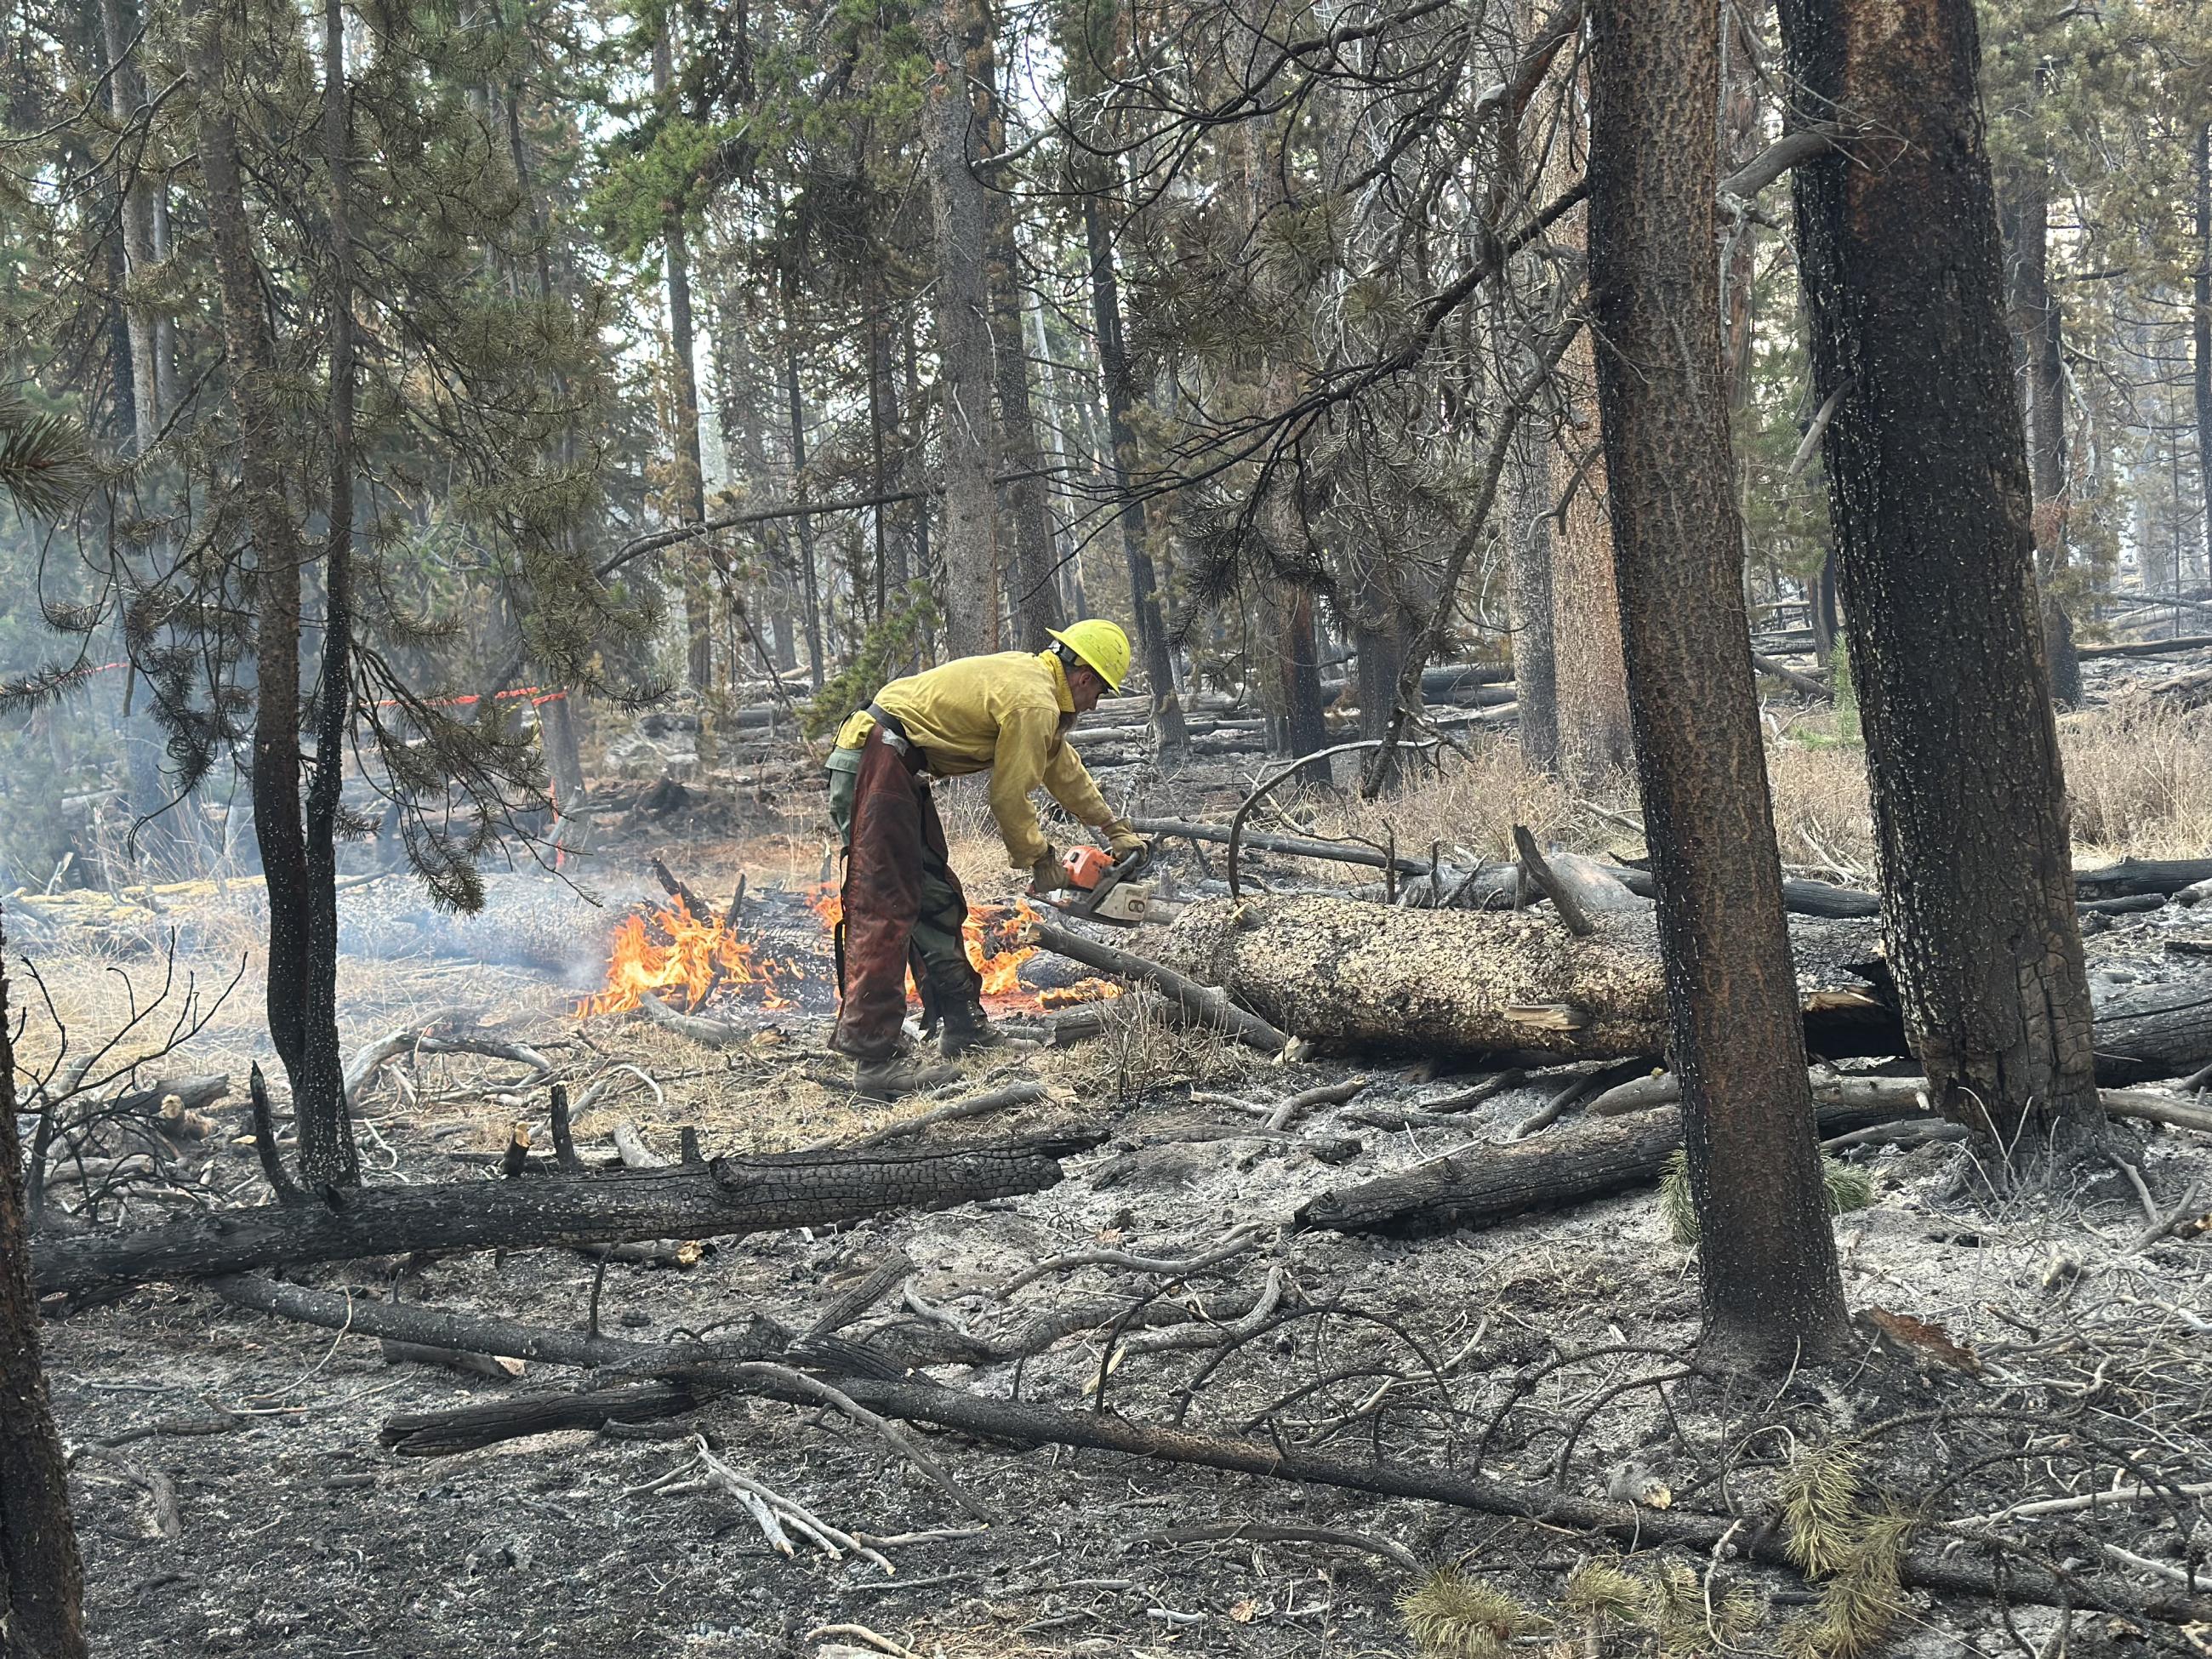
point(937, 936)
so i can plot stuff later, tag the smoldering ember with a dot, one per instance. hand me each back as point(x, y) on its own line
point(953, 832)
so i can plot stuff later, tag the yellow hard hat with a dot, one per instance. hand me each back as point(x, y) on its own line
point(1100, 643)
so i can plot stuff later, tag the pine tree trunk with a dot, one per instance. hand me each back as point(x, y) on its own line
point(690, 490)
point(1590, 675)
point(810, 569)
point(1930, 496)
point(1144, 578)
point(302, 1015)
point(954, 32)
point(1536, 662)
point(1767, 1257)
point(2037, 329)
point(126, 91)
point(1032, 572)
point(2202, 331)
point(42, 1579)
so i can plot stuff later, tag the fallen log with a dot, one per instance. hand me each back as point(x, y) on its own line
point(1899, 1096)
point(1461, 982)
point(721, 1198)
point(2130, 877)
point(2146, 647)
point(1027, 1423)
point(1454, 980)
point(1186, 1001)
point(1486, 1184)
point(1799, 897)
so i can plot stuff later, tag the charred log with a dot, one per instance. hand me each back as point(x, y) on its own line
point(725, 1197)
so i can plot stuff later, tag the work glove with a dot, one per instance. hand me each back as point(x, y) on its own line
point(1122, 840)
point(1049, 875)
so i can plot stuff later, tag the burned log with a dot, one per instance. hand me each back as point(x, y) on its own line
point(1454, 981)
point(722, 1198)
point(1487, 1184)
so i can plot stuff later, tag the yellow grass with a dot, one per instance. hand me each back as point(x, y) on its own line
point(2139, 781)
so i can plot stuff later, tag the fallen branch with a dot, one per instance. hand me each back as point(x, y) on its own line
point(998, 1100)
point(1025, 1423)
point(723, 1197)
point(712, 1033)
point(1901, 1096)
point(1187, 1002)
point(1263, 1532)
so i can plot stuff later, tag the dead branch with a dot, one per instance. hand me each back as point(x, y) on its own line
point(1263, 1532)
point(1187, 1002)
point(1014, 1094)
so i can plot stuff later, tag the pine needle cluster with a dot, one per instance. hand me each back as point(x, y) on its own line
point(1855, 1550)
point(1454, 1615)
point(1849, 1188)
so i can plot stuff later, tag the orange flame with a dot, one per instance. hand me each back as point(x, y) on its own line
point(699, 958)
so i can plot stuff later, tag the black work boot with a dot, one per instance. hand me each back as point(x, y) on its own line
point(966, 1027)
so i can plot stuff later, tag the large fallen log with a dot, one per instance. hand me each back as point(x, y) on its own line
point(1336, 970)
point(2147, 648)
point(2132, 876)
point(720, 1198)
point(1898, 1097)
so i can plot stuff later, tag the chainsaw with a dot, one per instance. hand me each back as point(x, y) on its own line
point(1104, 890)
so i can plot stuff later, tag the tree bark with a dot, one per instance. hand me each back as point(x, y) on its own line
point(2201, 332)
point(809, 571)
point(42, 1578)
point(1773, 1293)
point(1536, 660)
point(690, 489)
point(954, 33)
point(1930, 496)
point(126, 91)
point(1033, 569)
point(1144, 580)
point(302, 989)
point(2037, 328)
point(722, 1197)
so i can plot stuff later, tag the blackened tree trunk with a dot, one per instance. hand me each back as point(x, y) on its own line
point(2202, 333)
point(684, 392)
point(1929, 494)
point(956, 34)
point(302, 991)
point(1120, 397)
point(2037, 326)
point(41, 1580)
point(1773, 1291)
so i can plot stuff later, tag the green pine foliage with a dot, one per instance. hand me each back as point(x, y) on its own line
point(1849, 1188)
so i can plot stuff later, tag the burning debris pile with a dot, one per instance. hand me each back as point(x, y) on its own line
point(775, 950)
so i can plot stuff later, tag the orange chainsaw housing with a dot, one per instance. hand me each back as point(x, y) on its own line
point(1086, 866)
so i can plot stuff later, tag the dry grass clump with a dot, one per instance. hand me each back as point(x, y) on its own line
point(2140, 780)
point(1472, 804)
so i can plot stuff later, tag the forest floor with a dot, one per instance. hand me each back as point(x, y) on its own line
point(233, 1497)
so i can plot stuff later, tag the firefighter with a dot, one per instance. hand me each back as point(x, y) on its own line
point(1007, 713)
